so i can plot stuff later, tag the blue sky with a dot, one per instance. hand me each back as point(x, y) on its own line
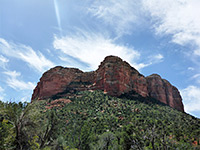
point(153, 36)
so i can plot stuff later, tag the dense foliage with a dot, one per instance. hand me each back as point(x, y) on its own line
point(96, 121)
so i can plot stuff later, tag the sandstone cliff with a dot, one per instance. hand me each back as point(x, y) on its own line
point(114, 76)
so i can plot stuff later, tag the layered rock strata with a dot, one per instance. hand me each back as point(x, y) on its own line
point(114, 76)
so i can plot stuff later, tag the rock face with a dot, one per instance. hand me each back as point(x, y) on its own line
point(163, 91)
point(114, 76)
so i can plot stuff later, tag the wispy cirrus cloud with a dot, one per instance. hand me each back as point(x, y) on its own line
point(91, 49)
point(196, 77)
point(25, 53)
point(3, 61)
point(178, 18)
point(120, 15)
point(191, 98)
point(14, 82)
point(157, 58)
point(153, 59)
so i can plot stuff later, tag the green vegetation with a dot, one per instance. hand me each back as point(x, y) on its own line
point(96, 121)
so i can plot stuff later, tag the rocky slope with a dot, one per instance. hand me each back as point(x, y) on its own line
point(114, 76)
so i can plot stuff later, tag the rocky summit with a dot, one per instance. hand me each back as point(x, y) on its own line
point(113, 76)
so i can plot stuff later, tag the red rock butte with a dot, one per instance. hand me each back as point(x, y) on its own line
point(113, 76)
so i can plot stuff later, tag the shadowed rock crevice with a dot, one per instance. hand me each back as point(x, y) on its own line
point(113, 76)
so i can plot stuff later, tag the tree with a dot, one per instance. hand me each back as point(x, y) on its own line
point(107, 141)
point(51, 128)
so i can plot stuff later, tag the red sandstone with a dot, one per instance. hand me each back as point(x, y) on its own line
point(114, 76)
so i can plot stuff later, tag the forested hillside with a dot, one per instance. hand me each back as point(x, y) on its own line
point(96, 121)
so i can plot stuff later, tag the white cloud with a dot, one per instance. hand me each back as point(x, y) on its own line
point(153, 59)
point(179, 18)
point(191, 98)
point(16, 83)
point(196, 77)
point(12, 74)
point(197, 52)
point(158, 57)
point(3, 61)
point(25, 53)
point(25, 99)
point(92, 48)
point(191, 68)
point(121, 15)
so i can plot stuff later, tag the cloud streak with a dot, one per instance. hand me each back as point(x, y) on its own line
point(191, 98)
point(57, 15)
point(16, 83)
point(3, 61)
point(178, 18)
point(25, 53)
point(120, 15)
point(91, 49)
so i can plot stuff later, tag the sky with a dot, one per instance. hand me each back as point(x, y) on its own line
point(154, 36)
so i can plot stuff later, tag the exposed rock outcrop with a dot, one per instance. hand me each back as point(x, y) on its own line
point(117, 77)
point(163, 91)
point(114, 76)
